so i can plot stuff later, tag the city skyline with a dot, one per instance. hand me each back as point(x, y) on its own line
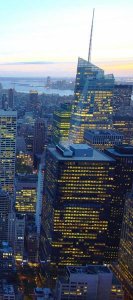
point(39, 39)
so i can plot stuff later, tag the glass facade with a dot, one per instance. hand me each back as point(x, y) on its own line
point(77, 207)
point(61, 124)
point(126, 247)
point(92, 100)
point(8, 128)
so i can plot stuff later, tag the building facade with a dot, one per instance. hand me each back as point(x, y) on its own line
point(122, 184)
point(61, 123)
point(78, 187)
point(91, 107)
point(8, 128)
point(102, 139)
point(125, 259)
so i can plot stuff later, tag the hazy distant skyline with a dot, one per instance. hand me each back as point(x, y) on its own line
point(55, 33)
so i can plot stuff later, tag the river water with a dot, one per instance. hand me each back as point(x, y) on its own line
point(24, 85)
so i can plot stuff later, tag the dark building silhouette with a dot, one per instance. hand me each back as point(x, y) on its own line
point(39, 136)
point(4, 101)
point(11, 98)
point(124, 269)
point(123, 178)
point(4, 216)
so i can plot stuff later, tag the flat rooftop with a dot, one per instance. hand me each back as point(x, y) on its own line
point(90, 269)
point(102, 132)
point(78, 152)
point(121, 150)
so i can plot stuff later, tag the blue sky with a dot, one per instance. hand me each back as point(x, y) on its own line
point(58, 31)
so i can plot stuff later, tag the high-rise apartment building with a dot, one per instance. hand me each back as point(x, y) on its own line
point(8, 128)
point(92, 100)
point(61, 123)
point(78, 187)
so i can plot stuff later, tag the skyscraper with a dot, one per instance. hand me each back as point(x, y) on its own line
point(61, 123)
point(4, 216)
point(91, 107)
point(92, 98)
point(39, 136)
point(8, 128)
point(125, 267)
point(11, 98)
point(123, 179)
point(78, 187)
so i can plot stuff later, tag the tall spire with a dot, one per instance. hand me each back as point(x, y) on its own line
point(90, 44)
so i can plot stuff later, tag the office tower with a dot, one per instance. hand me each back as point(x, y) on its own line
point(39, 136)
point(125, 259)
point(5, 207)
point(8, 128)
point(61, 123)
point(4, 102)
point(124, 124)
point(93, 94)
point(88, 282)
point(11, 98)
point(19, 232)
point(102, 139)
point(40, 195)
point(76, 210)
point(123, 179)
point(122, 97)
point(26, 193)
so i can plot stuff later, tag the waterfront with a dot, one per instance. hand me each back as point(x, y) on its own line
point(24, 85)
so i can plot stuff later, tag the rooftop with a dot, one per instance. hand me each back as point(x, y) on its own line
point(90, 269)
point(79, 152)
point(121, 150)
point(102, 132)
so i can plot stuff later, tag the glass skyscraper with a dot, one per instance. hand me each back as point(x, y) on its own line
point(8, 129)
point(92, 100)
point(76, 212)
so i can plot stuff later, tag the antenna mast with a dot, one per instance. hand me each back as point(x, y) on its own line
point(90, 44)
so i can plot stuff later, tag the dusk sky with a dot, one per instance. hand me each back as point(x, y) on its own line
point(55, 32)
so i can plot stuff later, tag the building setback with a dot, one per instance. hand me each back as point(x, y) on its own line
point(102, 139)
